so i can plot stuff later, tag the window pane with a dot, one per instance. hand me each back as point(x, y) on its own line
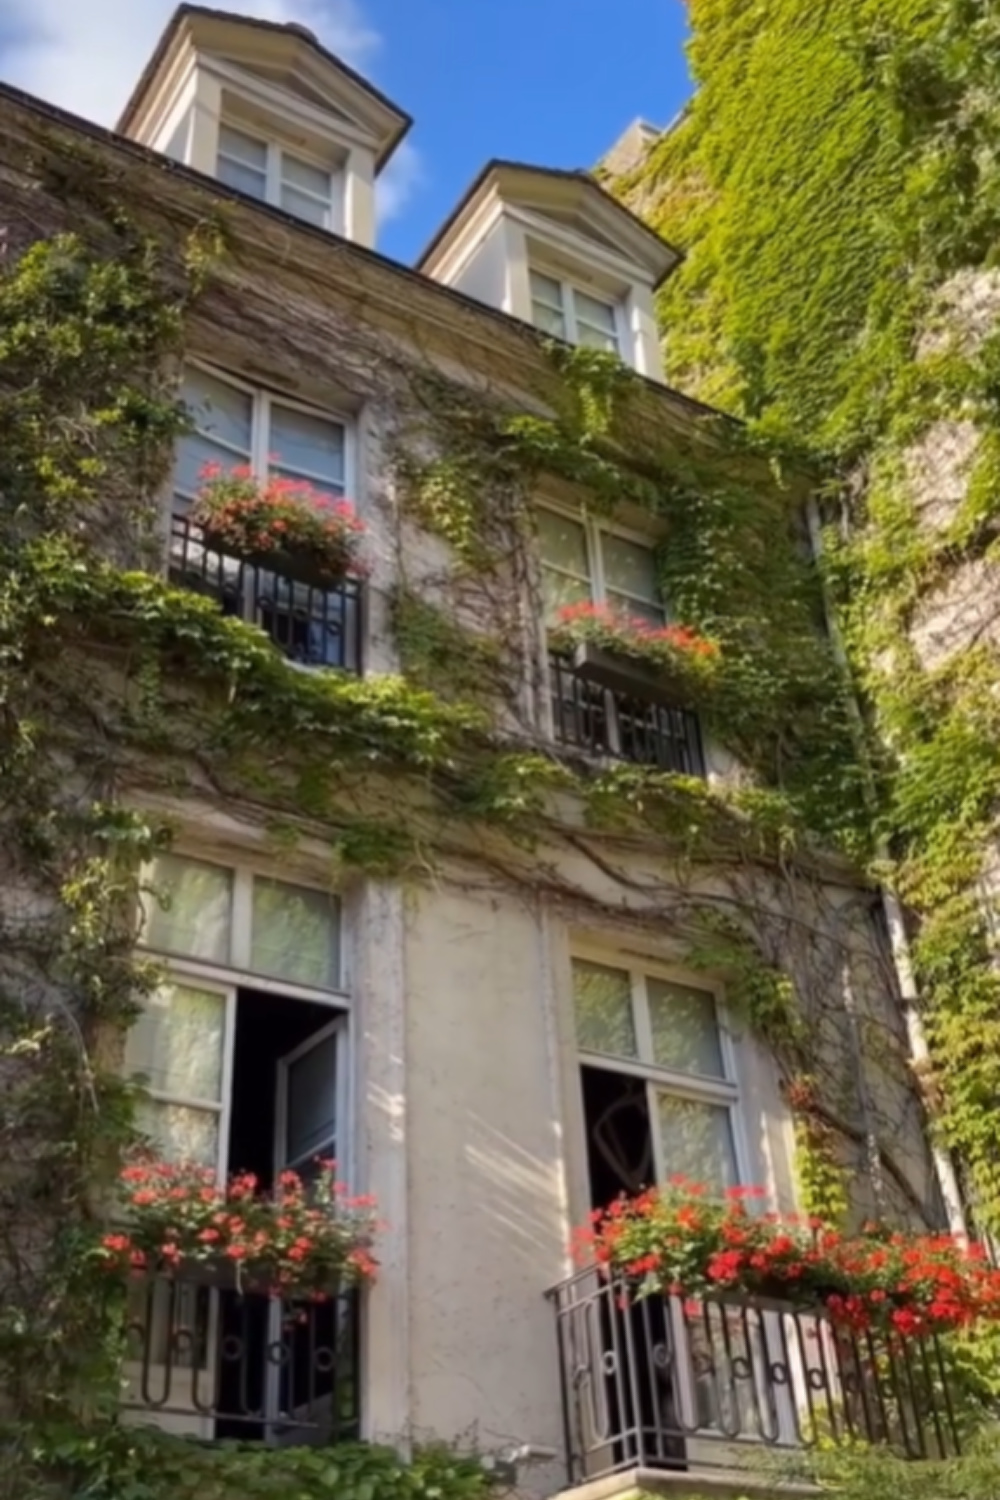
point(177, 1042)
point(243, 179)
point(629, 568)
point(546, 289)
point(563, 543)
point(598, 315)
point(196, 917)
point(219, 410)
point(559, 590)
point(296, 934)
point(602, 998)
point(697, 1141)
point(596, 338)
point(303, 444)
point(180, 1133)
point(623, 603)
point(299, 174)
point(685, 1028)
point(304, 206)
point(193, 451)
point(548, 320)
point(244, 148)
point(312, 1103)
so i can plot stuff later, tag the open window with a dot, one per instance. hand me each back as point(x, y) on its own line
point(244, 1052)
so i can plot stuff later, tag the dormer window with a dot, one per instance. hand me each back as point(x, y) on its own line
point(267, 171)
point(566, 312)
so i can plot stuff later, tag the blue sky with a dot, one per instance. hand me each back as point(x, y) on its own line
point(547, 81)
point(553, 82)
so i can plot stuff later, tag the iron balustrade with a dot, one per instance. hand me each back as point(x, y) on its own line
point(667, 1382)
point(316, 627)
point(600, 721)
point(220, 1361)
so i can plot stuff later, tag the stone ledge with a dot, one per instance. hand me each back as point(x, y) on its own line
point(724, 1484)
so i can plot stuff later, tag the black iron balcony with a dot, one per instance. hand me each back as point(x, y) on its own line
point(600, 721)
point(214, 1361)
point(663, 1382)
point(316, 627)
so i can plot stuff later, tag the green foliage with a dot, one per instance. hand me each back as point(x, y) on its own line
point(439, 655)
point(128, 1463)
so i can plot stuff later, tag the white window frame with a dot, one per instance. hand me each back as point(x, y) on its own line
point(229, 977)
point(594, 530)
point(569, 290)
point(263, 401)
point(274, 176)
point(726, 1092)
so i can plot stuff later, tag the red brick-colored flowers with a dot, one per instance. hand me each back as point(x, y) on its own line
point(631, 635)
point(299, 1238)
point(677, 1239)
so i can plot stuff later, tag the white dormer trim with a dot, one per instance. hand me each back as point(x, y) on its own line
point(503, 230)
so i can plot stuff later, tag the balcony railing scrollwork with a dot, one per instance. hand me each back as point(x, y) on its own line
point(313, 626)
point(668, 1382)
point(207, 1357)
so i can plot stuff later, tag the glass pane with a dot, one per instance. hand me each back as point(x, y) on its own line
point(296, 934)
point(548, 320)
point(685, 1028)
point(305, 206)
point(312, 1103)
point(599, 315)
point(622, 603)
point(177, 1043)
point(697, 1141)
point(245, 148)
point(197, 914)
point(219, 410)
point(179, 1133)
point(596, 338)
point(299, 174)
point(243, 179)
point(303, 444)
point(560, 590)
point(629, 568)
point(546, 289)
point(193, 451)
point(602, 998)
point(563, 543)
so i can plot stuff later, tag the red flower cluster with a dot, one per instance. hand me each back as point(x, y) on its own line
point(679, 1240)
point(301, 1237)
point(250, 515)
point(631, 634)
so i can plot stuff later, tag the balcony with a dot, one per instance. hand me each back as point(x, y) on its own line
point(314, 627)
point(664, 1383)
point(600, 721)
point(211, 1361)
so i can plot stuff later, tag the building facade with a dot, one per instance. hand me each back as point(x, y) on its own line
point(466, 912)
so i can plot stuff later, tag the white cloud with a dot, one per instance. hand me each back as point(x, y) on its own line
point(403, 174)
point(85, 55)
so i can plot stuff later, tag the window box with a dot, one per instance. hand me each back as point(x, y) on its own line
point(298, 564)
point(654, 683)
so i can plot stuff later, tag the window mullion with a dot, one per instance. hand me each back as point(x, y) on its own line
point(595, 561)
point(569, 311)
point(273, 173)
point(640, 1016)
point(242, 917)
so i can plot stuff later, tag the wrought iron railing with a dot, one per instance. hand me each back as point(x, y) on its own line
point(666, 1382)
point(600, 721)
point(220, 1361)
point(316, 627)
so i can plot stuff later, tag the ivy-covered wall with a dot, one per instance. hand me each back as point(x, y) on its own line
point(133, 711)
point(834, 183)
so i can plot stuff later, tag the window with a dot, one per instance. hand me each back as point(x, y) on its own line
point(233, 424)
point(582, 561)
point(236, 919)
point(666, 1035)
point(564, 311)
point(267, 171)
